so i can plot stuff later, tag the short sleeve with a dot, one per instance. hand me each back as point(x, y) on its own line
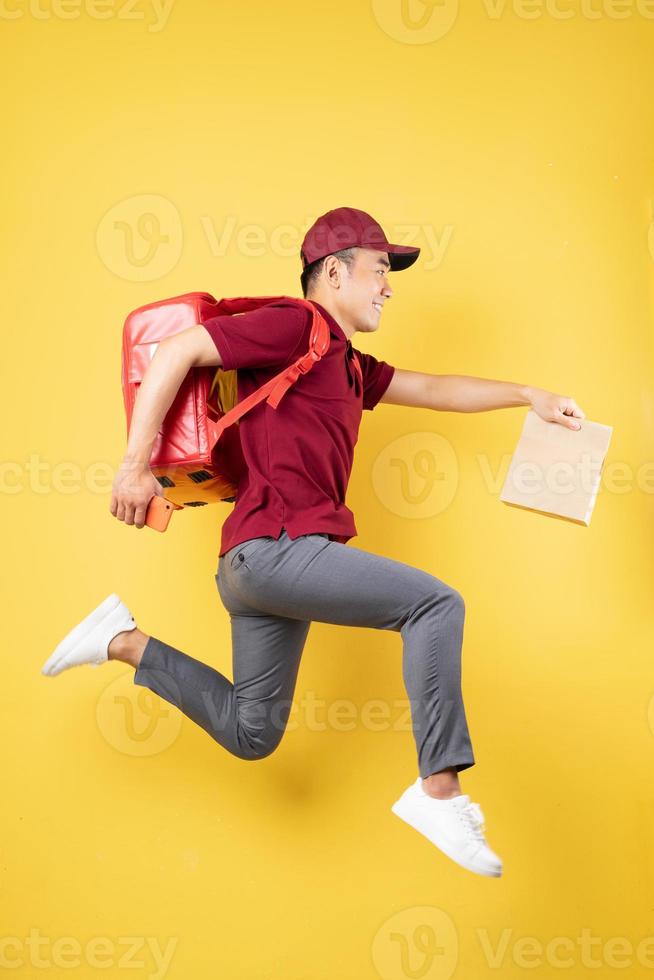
point(265, 337)
point(376, 378)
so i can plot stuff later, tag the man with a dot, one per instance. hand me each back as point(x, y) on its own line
point(283, 559)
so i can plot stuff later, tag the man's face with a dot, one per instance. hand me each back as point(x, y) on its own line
point(364, 289)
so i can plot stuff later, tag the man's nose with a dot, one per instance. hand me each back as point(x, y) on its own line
point(387, 291)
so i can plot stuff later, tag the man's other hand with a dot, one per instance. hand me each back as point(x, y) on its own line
point(133, 488)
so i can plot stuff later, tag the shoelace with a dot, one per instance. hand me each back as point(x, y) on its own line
point(474, 820)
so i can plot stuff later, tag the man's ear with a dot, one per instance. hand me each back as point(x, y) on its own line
point(332, 270)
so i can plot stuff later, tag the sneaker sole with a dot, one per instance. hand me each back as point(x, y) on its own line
point(443, 844)
point(86, 626)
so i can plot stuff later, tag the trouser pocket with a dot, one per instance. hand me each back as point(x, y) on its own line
point(238, 555)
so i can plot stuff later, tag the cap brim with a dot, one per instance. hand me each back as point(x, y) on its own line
point(400, 256)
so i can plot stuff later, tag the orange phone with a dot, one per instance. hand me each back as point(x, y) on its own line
point(159, 512)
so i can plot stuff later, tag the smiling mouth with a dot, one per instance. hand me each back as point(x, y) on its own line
point(377, 306)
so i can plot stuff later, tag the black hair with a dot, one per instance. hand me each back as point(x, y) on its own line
point(312, 272)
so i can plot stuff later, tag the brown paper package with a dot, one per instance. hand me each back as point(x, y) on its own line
point(557, 470)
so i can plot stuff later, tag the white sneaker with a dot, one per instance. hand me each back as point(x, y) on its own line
point(456, 826)
point(89, 641)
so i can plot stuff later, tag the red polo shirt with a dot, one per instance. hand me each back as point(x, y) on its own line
point(299, 456)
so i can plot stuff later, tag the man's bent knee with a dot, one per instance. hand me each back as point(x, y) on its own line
point(446, 597)
point(253, 749)
point(262, 726)
point(457, 601)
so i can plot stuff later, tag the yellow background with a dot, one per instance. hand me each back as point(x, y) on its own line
point(521, 138)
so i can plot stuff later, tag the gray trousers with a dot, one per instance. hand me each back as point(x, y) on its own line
point(273, 589)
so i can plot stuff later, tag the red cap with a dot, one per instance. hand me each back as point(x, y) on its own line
point(347, 228)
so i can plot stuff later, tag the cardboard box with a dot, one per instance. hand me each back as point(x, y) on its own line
point(557, 470)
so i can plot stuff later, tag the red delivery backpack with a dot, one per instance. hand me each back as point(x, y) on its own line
point(197, 455)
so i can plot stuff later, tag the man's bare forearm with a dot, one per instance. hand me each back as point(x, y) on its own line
point(462, 393)
point(163, 378)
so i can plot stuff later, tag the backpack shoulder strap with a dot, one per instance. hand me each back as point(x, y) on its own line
point(274, 390)
point(357, 365)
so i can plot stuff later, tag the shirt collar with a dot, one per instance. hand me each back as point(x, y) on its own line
point(334, 327)
point(337, 331)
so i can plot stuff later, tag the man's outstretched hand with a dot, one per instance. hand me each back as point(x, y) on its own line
point(556, 408)
point(133, 488)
